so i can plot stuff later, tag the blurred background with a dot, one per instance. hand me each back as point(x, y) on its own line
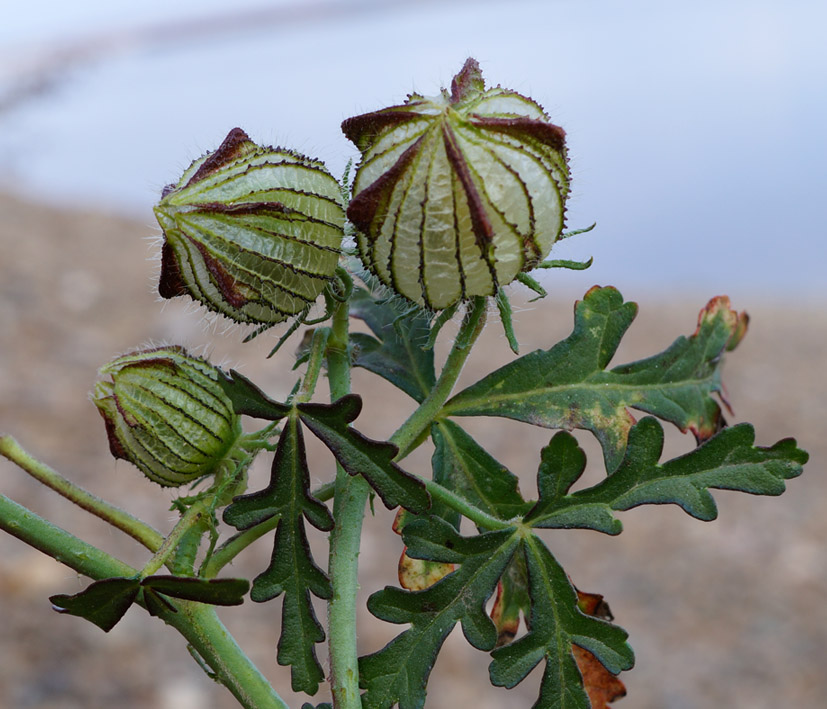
point(696, 143)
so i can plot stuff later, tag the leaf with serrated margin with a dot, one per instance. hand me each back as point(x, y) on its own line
point(727, 461)
point(248, 399)
point(557, 625)
point(465, 467)
point(360, 455)
point(396, 352)
point(568, 386)
point(292, 570)
point(399, 672)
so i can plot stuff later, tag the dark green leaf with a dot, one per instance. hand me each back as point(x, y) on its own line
point(727, 461)
point(217, 592)
point(463, 466)
point(396, 353)
point(556, 625)
point(562, 462)
point(102, 602)
point(292, 570)
point(399, 672)
point(249, 400)
point(568, 386)
point(359, 455)
point(512, 600)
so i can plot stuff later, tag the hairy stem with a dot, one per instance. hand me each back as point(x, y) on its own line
point(135, 528)
point(466, 509)
point(197, 622)
point(351, 494)
point(235, 545)
point(411, 433)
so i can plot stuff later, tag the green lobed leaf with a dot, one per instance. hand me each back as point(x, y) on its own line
point(292, 571)
point(727, 461)
point(556, 625)
point(217, 592)
point(397, 352)
point(359, 455)
point(568, 386)
point(248, 399)
point(463, 466)
point(399, 672)
point(103, 603)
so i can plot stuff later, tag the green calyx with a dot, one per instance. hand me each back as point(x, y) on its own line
point(457, 194)
point(166, 413)
point(251, 232)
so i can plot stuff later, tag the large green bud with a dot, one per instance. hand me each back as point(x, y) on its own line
point(251, 232)
point(457, 194)
point(166, 413)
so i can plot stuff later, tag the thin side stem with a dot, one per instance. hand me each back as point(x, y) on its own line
point(197, 622)
point(461, 505)
point(135, 528)
point(348, 512)
point(235, 545)
point(410, 433)
point(189, 519)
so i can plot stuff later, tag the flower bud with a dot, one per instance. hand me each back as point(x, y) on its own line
point(251, 232)
point(166, 413)
point(457, 194)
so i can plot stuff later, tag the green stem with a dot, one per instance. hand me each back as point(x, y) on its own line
point(135, 528)
point(235, 545)
point(466, 509)
point(348, 512)
point(314, 364)
point(411, 433)
point(189, 519)
point(197, 622)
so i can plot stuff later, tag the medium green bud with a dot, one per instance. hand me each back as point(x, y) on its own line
point(166, 413)
point(457, 194)
point(251, 232)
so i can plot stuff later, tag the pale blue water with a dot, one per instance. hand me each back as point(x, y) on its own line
point(696, 131)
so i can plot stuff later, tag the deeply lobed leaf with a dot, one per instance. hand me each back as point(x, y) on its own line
point(557, 626)
point(568, 386)
point(292, 571)
point(398, 351)
point(399, 672)
point(727, 461)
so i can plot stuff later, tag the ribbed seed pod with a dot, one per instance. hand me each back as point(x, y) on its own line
point(251, 232)
point(166, 413)
point(456, 194)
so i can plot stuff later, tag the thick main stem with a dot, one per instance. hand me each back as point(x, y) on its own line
point(348, 512)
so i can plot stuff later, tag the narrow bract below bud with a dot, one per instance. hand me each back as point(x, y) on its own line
point(457, 194)
point(166, 413)
point(251, 232)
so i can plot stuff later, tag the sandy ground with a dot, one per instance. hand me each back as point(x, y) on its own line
point(723, 614)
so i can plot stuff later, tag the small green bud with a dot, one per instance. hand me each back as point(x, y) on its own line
point(251, 232)
point(166, 413)
point(457, 194)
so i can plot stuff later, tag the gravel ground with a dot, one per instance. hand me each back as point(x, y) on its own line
point(724, 614)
